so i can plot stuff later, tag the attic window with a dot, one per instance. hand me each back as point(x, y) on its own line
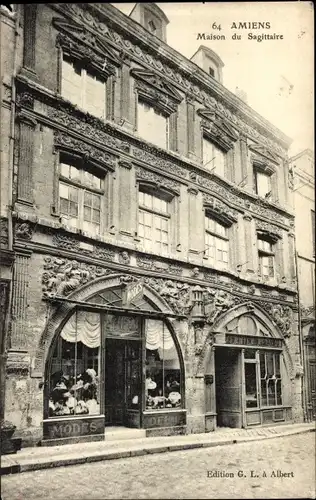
point(152, 27)
point(211, 72)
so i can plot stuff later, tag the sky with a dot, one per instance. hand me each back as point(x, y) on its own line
point(277, 75)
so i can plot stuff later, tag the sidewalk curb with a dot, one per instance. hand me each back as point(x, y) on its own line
point(16, 468)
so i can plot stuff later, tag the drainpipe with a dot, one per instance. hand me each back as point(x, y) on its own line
point(301, 347)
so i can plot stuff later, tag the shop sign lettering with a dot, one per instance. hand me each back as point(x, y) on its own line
point(166, 420)
point(132, 292)
point(73, 428)
point(253, 341)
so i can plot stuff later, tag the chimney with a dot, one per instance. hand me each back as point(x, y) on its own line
point(209, 61)
point(152, 18)
point(241, 94)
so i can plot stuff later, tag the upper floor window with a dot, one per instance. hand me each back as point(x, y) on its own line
point(83, 88)
point(213, 157)
point(216, 242)
point(152, 125)
point(211, 72)
point(152, 27)
point(80, 196)
point(154, 221)
point(266, 255)
point(262, 183)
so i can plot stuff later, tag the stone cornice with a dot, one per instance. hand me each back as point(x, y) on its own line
point(144, 40)
point(180, 168)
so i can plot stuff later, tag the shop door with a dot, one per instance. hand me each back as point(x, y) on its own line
point(228, 387)
point(122, 382)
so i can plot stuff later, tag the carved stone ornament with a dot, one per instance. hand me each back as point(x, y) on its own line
point(66, 242)
point(23, 230)
point(159, 180)
point(86, 55)
point(124, 257)
point(25, 100)
point(220, 209)
point(282, 317)
point(146, 262)
point(264, 152)
point(63, 276)
point(216, 303)
point(4, 232)
point(271, 231)
point(18, 363)
point(88, 151)
point(217, 135)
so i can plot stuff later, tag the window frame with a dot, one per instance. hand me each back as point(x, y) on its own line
point(207, 166)
point(217, 237)
point(64, 157)
point(264, 253)
point(158, 111)
point(92, 72)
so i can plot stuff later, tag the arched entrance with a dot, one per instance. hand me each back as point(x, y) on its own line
point(113, 360)
point(251, 370)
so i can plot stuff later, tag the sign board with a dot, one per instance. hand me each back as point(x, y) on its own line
point(132, 292)
point(249, 340)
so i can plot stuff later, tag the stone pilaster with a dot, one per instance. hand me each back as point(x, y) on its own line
point(250, 248)
point(196, 222)
point(26, 155)
point(125, 193)
point(19, 326)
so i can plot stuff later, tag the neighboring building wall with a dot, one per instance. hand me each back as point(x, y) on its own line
point(52, 258)
point(302, 169)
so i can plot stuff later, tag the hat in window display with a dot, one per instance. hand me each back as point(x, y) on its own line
point(174, 397)
point(150, 384)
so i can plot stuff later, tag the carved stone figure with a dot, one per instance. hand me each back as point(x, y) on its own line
point(283, 318)
point(23, 230)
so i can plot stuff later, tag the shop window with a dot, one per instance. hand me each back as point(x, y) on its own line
point(81, 191)
point(266, 255)
point(83, 88)
point(271, 391)
point(154, 220)
point(163, 382)
point(75, 368)
point(214, 158)
point(216, 242)
point(152, 125)
point(262, 184)
point(251, 384)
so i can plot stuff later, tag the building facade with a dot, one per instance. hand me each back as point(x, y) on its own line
point(302, 171)
point(148, 214)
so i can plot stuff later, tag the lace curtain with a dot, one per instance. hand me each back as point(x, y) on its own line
point(85, 327)
point(159, 337)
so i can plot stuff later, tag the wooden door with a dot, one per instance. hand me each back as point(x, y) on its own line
point(228, 387)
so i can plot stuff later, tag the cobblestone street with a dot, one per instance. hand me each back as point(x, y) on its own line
point(182, 474)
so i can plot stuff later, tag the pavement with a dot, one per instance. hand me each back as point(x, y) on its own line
point(46, 457)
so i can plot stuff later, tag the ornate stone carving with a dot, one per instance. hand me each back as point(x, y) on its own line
point(282, 317)
point(85, 149)
point(161, 181)
point(161, 163)
point(66, 242)
point(63, 276)
point(219, 208)
point(18, 363)
point(216, 302)
point(23, 230)
point(308, 312)
point(104, 253)
point(25, 100)
point(176, 294)
point(265, 152)
point(4, 233)
point(149, 263)
point(274, 232)
point(124, 257)
point(156, 91)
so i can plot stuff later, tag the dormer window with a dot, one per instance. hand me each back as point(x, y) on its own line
point(211, 72)
point(152, 27)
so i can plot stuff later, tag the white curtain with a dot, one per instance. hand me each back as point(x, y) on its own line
point(159, 337)
point(83, 327)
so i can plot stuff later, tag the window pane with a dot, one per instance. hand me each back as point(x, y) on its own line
point(162, 385)
point(152, 126)
point(95, 96)
point(71, 84)
point(263, 184)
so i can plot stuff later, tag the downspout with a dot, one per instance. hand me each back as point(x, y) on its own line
point(301, 347)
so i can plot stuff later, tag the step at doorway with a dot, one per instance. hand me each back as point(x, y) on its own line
point(116, 433)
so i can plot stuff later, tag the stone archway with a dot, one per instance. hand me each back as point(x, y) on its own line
point(64, 310)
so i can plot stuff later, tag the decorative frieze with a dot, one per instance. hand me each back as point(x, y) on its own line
point(159, 180)
point(274, 232)
point(4, 234)
point(156, 91)
point(220, 208)
point(88, 151)
point(150, 263)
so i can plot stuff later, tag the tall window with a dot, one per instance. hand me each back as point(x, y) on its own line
point(216, 242)
point(270, 379)
point(162, 386)
point(154, 221)
point(83, 88)
point(262, 183)
point(75, 368)
point(213, 157)
point(266, 258)
point(152, 125)
point(80, 196)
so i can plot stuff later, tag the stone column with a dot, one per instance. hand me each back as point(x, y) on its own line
point(196, 223)
point(251, 264)
point(126, 186)
point(26, 155)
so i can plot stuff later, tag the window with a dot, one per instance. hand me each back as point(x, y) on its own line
point(213, 157)
point(152, 27)
point(262, 184)
point(82, 88)
point(216, 242)
point(80, 196)
point(154, 221)
point(270, 379)
point(266, 258)
point(162, 385)
point(211, 72)
point(75, 368)
point(152, 125)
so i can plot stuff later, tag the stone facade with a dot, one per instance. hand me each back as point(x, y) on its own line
point(54, 260)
